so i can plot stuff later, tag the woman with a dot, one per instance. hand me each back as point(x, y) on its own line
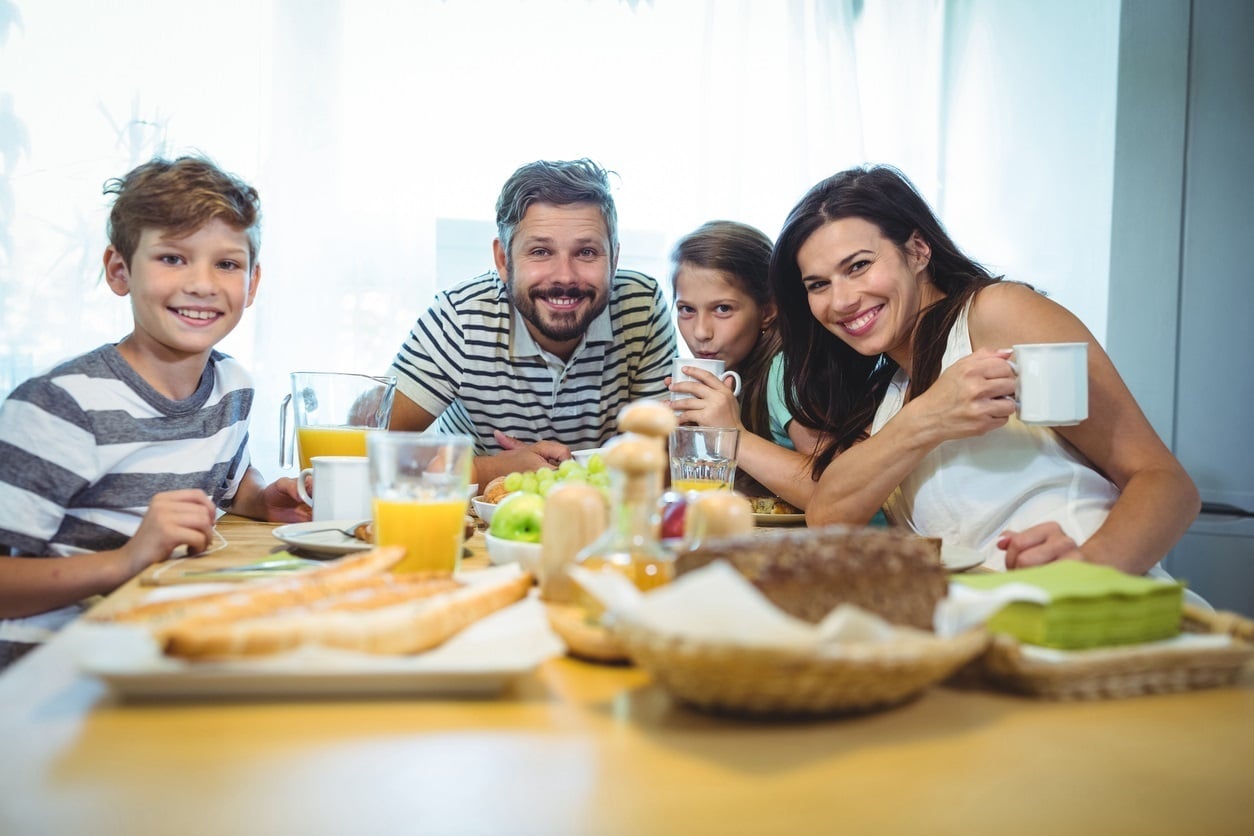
point(897, 345)
point(724, 310)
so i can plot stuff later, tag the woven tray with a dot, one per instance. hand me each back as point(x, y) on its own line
point(1126, 671)
point(740, 680)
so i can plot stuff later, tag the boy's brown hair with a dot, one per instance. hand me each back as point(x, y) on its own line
point(179, 197)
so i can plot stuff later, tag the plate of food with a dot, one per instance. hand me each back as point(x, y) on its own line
point(771, 510)
point(779, 519)
point(345, 628)
point(331, 537)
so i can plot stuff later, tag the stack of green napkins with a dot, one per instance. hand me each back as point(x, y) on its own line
point(1090, 606)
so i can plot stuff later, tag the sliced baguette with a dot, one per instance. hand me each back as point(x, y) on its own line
point(394, 628)
point(268, 596)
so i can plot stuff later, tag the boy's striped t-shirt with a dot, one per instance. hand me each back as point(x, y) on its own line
point(84, 447)
point(471, 361)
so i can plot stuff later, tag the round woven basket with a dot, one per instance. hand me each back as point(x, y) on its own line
point(844, 678)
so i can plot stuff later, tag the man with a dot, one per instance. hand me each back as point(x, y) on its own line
point(536, 358)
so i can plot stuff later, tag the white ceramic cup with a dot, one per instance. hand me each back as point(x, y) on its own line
point(341, 487)
point(715, 367)
point(1052, 385)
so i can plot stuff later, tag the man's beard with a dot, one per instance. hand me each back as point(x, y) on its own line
point(558, 327)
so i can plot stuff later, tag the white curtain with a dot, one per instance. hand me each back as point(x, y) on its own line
point(380, 131)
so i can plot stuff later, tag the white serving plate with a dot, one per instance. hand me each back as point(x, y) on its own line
point(481, 660)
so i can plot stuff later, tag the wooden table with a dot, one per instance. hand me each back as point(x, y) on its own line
point(582, 749)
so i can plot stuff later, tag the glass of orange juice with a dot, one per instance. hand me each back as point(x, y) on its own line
point(420, 483)
point(332, 413)
point(703, 458)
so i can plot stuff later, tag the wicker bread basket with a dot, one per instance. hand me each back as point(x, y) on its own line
point(584, 639)
point(743, 680)
point(1126, 671)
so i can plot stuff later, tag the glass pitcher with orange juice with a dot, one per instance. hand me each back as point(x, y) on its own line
point(332, 413)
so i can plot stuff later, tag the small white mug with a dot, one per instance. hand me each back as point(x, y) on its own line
point(715, 367)
point(1052, 383)
point(341, 487)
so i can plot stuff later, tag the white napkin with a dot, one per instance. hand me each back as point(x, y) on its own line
point(717, 603)
point(965, 607)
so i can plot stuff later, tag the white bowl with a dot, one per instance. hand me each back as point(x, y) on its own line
point(483, 508)
point(582, 456)
point(526, 555)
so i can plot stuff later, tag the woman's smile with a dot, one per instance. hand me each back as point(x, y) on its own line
point(861, 324)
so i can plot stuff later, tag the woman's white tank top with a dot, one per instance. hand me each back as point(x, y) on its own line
point(969, 490)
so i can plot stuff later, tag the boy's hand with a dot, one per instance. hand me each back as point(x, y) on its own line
point(283, 503)
point(173, 519)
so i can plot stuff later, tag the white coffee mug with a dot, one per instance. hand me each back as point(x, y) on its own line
point(341, 487)
point(1052, 385)
point(715, 367)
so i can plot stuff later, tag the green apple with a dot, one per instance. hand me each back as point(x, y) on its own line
point(518, 517)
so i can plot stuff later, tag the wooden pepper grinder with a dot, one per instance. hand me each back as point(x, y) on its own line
point(637, 463)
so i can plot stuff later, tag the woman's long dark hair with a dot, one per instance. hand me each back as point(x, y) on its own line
point(835, 389)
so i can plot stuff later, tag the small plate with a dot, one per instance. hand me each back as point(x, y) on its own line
point(779, 519)
point(960, 558)
point(321, 537)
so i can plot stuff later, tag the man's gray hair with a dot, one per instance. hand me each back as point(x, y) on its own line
point(560, 183)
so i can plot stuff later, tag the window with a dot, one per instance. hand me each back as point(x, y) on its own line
point(379, 131)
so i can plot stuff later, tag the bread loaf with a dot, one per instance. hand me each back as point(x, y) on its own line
point(808, 572)
point(354, 603)
point(427, 616)
point(494, 491)
point(321, 582)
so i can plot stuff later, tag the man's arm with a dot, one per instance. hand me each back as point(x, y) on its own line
point(407, 415)
point(660, 348)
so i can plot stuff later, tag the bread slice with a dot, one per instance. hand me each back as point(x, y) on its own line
point(808, 572)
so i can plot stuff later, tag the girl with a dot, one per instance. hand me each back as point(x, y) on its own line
point(897, 346)
point(725, 312)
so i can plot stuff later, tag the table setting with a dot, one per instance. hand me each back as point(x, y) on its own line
point(724, 708)
point(616, 727)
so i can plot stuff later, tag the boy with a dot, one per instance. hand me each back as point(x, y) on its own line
point(113, 460)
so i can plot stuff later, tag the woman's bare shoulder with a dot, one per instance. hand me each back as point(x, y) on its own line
point(1007, 313)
